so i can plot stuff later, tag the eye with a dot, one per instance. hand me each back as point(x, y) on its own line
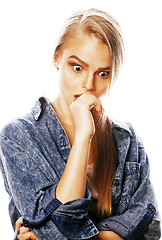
point(77, 68)
point(104, 74)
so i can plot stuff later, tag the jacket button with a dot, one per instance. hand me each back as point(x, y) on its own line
point(63, 142)
point(25, 223)
point(116, 182)
point(151, 209)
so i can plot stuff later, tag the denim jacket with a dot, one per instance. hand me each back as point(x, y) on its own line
point(33, 153)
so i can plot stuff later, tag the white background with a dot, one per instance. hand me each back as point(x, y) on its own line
point(28, 31)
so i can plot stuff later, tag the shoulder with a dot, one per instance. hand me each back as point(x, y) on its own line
point(18, 129)
point(122, 130)
point(32, 126)
point(128, 144)
point(121, 126)
point(26, 122)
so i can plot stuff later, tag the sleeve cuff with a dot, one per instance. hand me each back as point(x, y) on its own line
point(55, 203)
point(70, 219)
point(128, 232)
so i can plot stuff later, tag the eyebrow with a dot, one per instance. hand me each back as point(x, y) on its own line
point(79, 60)
point(86, 64)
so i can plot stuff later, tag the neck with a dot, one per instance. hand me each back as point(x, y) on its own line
point(62, 110)
point(65, 117)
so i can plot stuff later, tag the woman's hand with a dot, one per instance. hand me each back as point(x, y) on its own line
point(82, 116)
point(25, 233)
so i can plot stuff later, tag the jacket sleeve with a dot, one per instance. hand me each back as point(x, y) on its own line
point(135, 216)
point(32, 183)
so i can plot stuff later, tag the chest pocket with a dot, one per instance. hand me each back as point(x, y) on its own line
point(130, 181)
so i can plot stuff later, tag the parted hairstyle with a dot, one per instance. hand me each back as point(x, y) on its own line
point(104, 27)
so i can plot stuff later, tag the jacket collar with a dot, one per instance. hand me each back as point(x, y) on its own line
point(122, 125)
point(38, 107)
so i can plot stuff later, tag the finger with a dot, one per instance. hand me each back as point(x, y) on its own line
point(31, 235)
point(24, 230)
point(19, 224)
point(91, 101)
point(28, 235)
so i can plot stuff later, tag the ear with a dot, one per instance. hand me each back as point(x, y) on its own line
point(56, 61)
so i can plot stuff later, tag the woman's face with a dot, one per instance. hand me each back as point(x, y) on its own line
point(84, 66)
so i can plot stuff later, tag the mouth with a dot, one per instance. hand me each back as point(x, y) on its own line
point(77, 96)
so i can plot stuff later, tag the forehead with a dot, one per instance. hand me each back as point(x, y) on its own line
point(89, 48)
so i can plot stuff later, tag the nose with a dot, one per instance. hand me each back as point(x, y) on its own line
point(88, 83)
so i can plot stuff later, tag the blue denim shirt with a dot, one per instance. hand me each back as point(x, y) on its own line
point(33, 153)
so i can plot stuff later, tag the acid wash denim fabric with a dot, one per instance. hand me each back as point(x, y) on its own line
point(33, 153)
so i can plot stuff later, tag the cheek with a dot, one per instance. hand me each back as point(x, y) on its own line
point(101, 87)
point(70, 81)
point(64, 77)
point(64, 81)
point(67, 86)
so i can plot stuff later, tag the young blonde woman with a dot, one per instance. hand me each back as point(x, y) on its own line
point(70, 171)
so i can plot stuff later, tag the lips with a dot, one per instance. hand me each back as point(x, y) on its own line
point(77, 96)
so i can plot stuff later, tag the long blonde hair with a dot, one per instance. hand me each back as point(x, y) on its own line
point(104, 27)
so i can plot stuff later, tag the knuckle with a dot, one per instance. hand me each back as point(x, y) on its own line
point(19, 221)
point(22, 230)
point(20, 237)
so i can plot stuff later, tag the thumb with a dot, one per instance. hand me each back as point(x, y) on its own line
point(19, 224)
